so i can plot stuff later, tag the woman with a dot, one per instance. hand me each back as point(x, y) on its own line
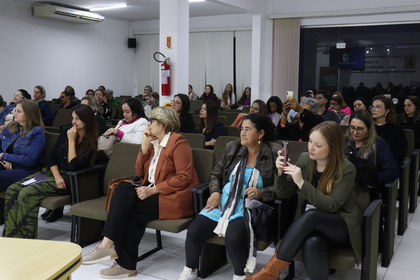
point(228, 97)
point(99, 95)
point(275, 108)
point(245, 99)
point(209, 125)
point(358, 104)
point(191, 94)
point(411, 117)
point(6, 116)
point(22, 144)
point(72, 151)
point(44, 107)
point(327, 213)
point(97, 110)
point(335, 106)
point(181, 105)
point(257, 107)
point(165, 162)
point(90, 92)
point(362, 141)
point(343, 105)
point(383, 113)
point(209, 95)
point(308, 118)
point(130, 129)
point(245, 169)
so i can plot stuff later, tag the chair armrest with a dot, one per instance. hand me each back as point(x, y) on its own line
point(371, 224)
point(87, 183)
point(197, 193)
point(286, 211)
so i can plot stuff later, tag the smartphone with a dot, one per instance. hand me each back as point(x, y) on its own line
point(289, 95)
point(285, 150)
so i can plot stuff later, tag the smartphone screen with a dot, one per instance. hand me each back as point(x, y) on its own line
point(289, 95)
point(285, 150)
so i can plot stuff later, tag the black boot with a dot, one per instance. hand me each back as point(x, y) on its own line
point(46, 213)
point(55, 215)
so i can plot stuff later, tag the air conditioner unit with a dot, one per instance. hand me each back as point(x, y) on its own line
point(66, 14)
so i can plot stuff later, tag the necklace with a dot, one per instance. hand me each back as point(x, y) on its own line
point(381, 124)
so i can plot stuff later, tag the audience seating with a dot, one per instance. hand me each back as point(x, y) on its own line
point(195, 105)
point(89, 187)
point(223, 120)
point(232, 131)
point(295, 148)
point(343, 258)
point(403, 196)
point(414, 155)
point(52, 202)
point(230, 115)
point(196, 140)
point(63, 117)
point(219, 147)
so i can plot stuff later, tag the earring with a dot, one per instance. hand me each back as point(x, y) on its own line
point(259, 142)
point(385, 114)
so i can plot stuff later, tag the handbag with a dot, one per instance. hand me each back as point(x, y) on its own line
point(262, 219)
point(113, 184)
point(106, 143)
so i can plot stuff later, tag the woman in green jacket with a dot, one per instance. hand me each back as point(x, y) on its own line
point(327, 214)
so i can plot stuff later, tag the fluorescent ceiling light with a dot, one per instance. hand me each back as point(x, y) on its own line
point(108, 7)
point(196, 0)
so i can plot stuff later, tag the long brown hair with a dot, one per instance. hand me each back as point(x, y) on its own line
point(333, 135)
point(32, 117)
point(212, 117)
point(86, 115)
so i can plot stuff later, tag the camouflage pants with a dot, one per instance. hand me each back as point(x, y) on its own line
point(22, 204)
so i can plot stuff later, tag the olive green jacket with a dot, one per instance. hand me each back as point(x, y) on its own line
point(341, 200)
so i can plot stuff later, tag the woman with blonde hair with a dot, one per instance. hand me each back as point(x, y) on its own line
point(44, 108)
point(327, 213)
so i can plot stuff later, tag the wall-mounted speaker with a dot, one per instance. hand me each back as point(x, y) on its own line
point(132, 43)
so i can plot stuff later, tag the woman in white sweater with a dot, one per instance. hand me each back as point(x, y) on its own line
point(130, 128)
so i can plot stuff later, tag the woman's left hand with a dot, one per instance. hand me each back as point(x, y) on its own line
point(72, 133)
point(145, 192)
point(110, 131)
point(60, 183)
point(252, 193)
point(295, 172)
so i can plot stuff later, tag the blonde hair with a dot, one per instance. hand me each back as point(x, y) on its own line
point(167, 116)
point(332, 134)
point(32, 117)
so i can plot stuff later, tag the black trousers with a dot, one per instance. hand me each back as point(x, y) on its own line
point(236, 241)
point(126, 222)
point(315, 231)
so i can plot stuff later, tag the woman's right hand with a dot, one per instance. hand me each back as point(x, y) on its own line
point(213, 202)
point(147, 138)
point(110, 131)
point(280, 162)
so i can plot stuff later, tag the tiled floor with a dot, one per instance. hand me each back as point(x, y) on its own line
point(168, 262)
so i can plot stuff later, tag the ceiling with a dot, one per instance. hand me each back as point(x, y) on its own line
point(138, 10)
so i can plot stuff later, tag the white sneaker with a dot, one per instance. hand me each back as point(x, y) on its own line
point(188, 274)
point(236, 277)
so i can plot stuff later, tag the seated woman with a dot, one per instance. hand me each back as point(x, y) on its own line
point(166, 164)
point(327, 213)
point(228, 98)
point(191, 93)
point(6, 115)
point(72, 151)
point(181, 105)
point(275, 108)
point(209, 95)
point(383, 112)
point(209, 125)
point(245, 99)
point(335, 106)
point(343, 105)
point(308, 118)
point(97, 110)
point(358, 104)
point(130, 129)
point(257, 107)
point(411, 117)
point(22, 144)
point(362, 141)
point(44, 107)
point(100, 96)
point(245, 169)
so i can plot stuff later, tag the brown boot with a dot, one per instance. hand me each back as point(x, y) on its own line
point(270, 271)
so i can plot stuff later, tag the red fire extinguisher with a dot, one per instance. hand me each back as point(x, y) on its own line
point(165, 72)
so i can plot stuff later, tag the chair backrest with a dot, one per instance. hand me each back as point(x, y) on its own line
point(204, 162)
point(295, 149)
point(195, 105)
point(410, 139)
point(121, 162)
point(232, 130)
point(53, 106)
point(62, 117)
point(196, 140)
point(363, 197)
point(219, 147)
point(230, 116)
point(50, 138)
point(344, 128)
point(223, 120)
point(114, 109)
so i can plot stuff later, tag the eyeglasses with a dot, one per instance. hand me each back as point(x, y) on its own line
point(17, 95)
point(359, 130)
point(151, 120)
point(375, 107)
point(333, 104)
point(176, 103)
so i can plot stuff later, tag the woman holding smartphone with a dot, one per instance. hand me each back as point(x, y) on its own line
point(327, 213)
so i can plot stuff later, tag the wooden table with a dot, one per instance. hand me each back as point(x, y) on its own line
point(38, 259)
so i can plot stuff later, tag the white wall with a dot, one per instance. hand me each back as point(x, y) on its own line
point(56, 53)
